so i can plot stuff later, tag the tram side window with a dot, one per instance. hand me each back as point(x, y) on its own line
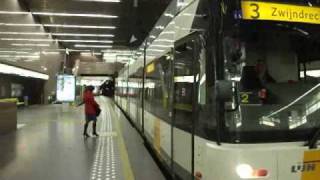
point(157, 87)
point(206, 123)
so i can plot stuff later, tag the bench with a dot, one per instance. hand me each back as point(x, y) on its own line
point(13, 100)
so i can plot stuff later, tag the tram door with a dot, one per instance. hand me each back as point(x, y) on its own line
point(183, 108)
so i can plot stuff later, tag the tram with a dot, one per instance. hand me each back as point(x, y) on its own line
point(229, 89)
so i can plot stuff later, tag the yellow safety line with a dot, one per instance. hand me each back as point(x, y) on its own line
point(126, 165)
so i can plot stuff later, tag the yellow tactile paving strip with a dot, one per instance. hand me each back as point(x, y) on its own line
point(126, 166)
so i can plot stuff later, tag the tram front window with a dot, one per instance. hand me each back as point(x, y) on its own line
point(277, 69)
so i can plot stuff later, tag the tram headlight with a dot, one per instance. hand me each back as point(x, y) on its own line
point(245, 171)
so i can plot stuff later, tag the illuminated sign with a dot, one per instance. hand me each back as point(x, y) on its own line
point(66, 85)
point(253, 10)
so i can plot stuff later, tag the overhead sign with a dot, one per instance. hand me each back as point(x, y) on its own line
point(66, 88)
point(253, 10)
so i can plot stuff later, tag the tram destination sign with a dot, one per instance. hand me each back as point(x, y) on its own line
point(253, 10)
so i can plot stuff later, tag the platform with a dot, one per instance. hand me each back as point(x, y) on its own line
point(49, 145)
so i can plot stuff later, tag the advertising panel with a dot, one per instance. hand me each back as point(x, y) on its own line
point(66, 88)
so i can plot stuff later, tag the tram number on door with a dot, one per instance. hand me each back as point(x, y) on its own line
point(249, 97)
point(244, 96)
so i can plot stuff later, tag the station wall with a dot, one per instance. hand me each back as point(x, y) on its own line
point(17, 87)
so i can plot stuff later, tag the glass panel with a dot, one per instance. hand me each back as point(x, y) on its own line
point(184, 78)
point(268, 60)
point(135, 97)
point(157, 107)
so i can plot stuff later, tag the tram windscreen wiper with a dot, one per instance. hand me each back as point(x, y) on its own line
point(312, 143)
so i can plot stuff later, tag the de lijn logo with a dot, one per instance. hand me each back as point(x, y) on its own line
point(304, 167)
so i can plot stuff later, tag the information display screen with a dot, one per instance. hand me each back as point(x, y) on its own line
point(66, 88)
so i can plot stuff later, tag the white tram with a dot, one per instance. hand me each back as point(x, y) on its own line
point(229, 89)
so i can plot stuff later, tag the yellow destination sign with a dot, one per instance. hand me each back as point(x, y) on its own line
point(253, 10)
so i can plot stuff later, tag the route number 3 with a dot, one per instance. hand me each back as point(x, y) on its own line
point(255, 11)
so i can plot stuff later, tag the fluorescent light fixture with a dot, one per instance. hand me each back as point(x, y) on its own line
point(78, 50)
point(50, 53)
point(161, 46)
point(15, 52)
point(107, 1)
point(37, 45)
point(153, 37)
point(85, 41)
point(59, 25)
point(19, 56)
point(89, 54)
point(7, 69)
point(155, 50)
point(164, 40)
point(57, 34)
point(92, 46)
point(60, 40)
point(18, 24)
point(169, 15)
point(82, 35)
point(59, 14)
point(79, 26)
point(168, 32)
point(23, 39)
point(74, 15)
point(160, 27)
point(25, 33)
point(15, 12)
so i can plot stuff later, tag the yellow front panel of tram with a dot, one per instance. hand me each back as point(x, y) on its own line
point(311, 165)
point(253, 10)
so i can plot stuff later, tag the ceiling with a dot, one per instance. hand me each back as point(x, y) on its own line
point(78, 24)
point(35, 32)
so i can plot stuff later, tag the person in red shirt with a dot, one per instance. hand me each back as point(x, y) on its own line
point(91, 107)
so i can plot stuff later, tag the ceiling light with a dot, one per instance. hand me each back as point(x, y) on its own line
point(50, 53)
point(38, 45)
point(59, 14)
point(91, 46)
point(168, 32)
point(79, 26)
point(19, 56)
point(169, 15)
point(116, 1)
point(161, 46)
point(74, 15)
point(89, 54)
point(25, 33)
point(16, 52)
point(7, 69)
point(60, 40)
point(82, 35)
point(164, 40)
point(14, 12)
point(87, 41)
point(159, 27)
point(155, 50)
point(59, 25)
point(23, 39)
point(17, 24)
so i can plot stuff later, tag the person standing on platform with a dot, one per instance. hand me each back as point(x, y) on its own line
point(91, 108)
